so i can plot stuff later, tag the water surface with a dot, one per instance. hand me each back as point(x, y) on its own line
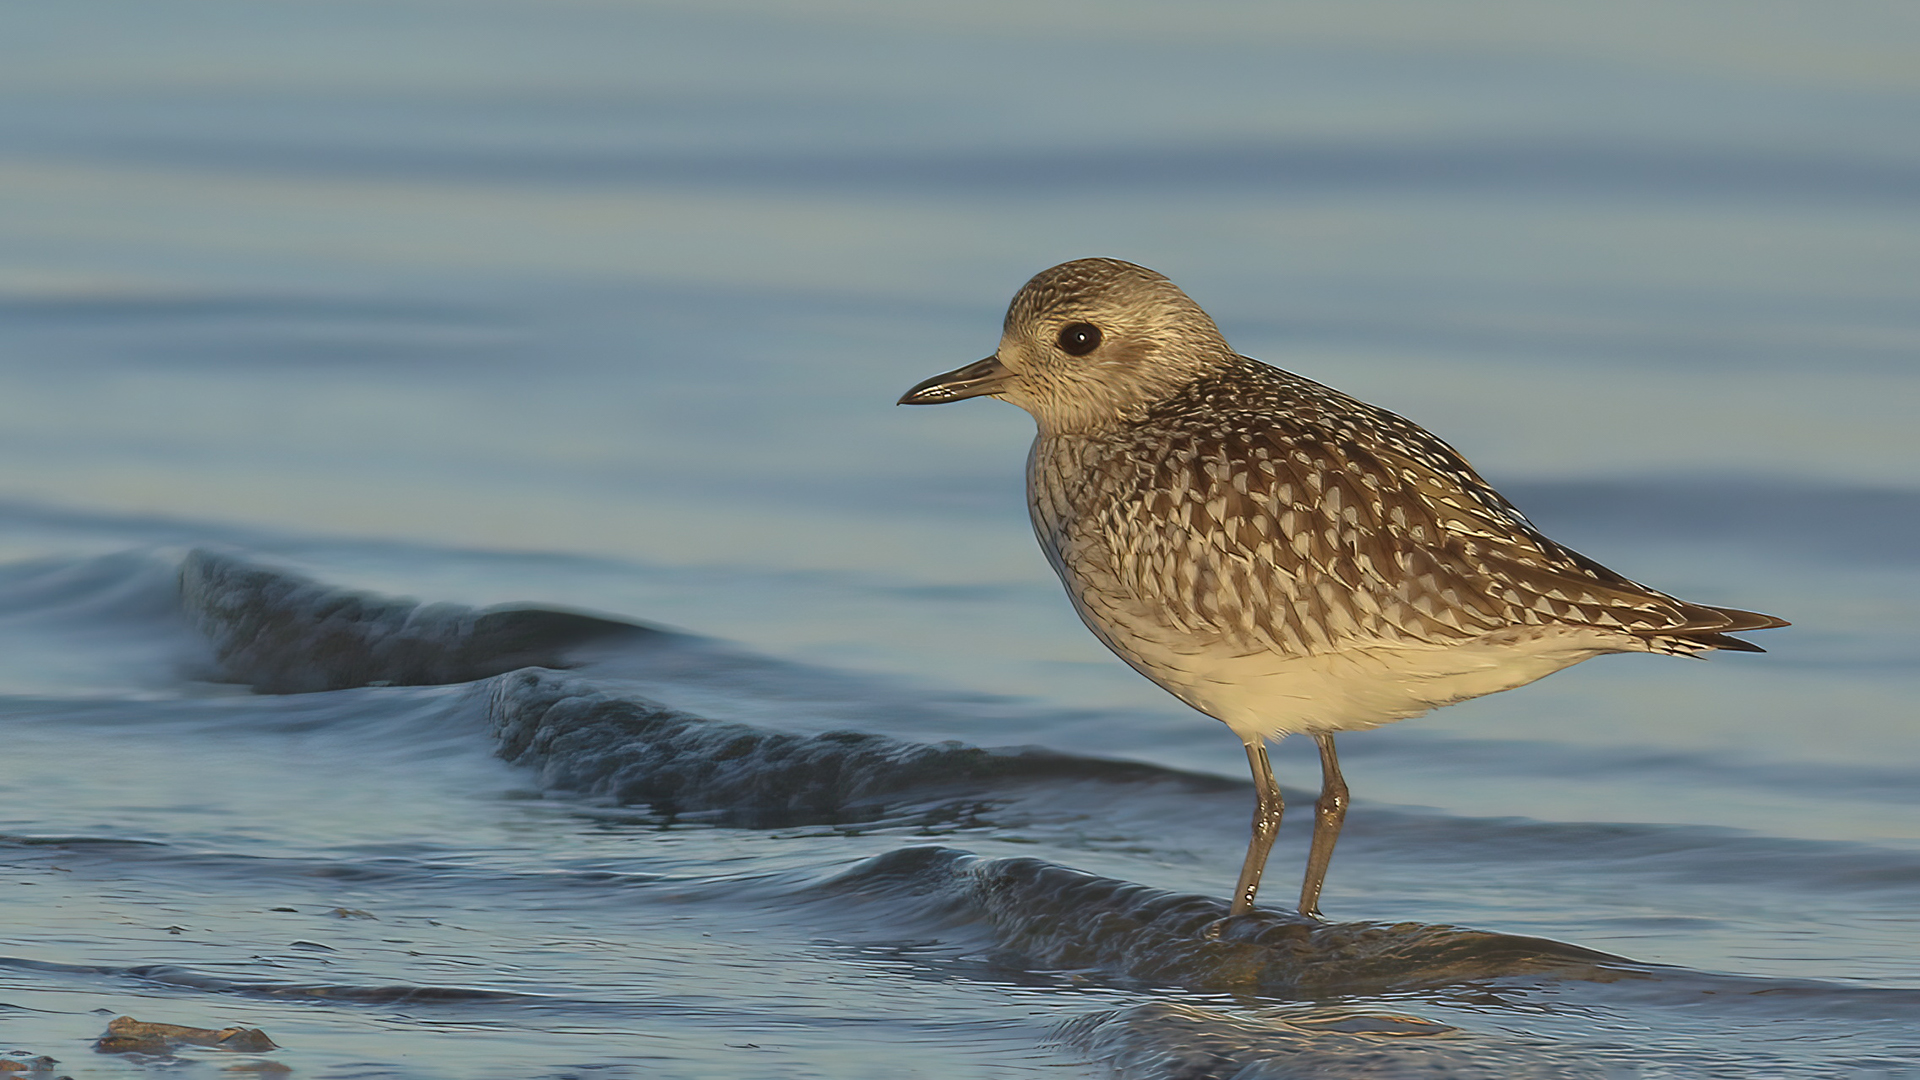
point(602, 307)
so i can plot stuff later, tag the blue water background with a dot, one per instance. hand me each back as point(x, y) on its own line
point(605, 305)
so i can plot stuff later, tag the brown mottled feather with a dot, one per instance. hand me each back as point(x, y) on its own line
point(1267, 511)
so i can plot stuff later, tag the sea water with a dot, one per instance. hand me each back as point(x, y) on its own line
point(327, 328)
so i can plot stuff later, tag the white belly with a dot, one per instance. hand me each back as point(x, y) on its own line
point(1267, 695)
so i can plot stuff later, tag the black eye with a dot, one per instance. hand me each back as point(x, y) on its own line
point(1079, 339)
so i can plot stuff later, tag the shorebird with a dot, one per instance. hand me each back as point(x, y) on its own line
point(1279, 555)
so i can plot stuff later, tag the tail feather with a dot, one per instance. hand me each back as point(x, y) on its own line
point(1721, 641)
point(1738, 620)
point(1712, 628)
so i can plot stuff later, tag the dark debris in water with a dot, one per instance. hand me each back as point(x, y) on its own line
point(125, 1035)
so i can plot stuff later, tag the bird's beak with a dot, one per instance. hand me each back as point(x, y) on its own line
point(977, 379)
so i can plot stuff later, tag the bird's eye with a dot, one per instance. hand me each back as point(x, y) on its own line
point(1079, 339)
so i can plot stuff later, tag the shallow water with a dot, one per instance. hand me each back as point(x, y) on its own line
point(601, 308)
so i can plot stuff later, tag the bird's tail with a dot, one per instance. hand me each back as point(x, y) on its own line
point(1710, 628)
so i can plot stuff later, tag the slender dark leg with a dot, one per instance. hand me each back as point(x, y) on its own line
point(1328, 814)
point(1266, 823)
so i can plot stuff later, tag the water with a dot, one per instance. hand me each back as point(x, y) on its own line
point(601, 308)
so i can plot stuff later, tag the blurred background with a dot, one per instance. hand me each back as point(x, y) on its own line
point(642, 280)
point(606, 304)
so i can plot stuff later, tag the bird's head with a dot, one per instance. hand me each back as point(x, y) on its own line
point(1088, 343)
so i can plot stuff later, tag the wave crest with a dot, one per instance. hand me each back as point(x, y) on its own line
point(1045, 916)
point(282, 633)
point(585, 739)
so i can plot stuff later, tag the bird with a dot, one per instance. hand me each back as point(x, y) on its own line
point(1283, 557)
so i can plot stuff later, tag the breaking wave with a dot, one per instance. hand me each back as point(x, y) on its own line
point(282, 633)
point(1036, 915)
point(583, 737)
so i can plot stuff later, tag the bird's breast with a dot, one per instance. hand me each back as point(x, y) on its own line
point(1131, 543)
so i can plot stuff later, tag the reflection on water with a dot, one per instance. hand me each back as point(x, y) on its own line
point(601, 309)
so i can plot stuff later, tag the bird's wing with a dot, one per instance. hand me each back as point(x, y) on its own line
point(1308, 530)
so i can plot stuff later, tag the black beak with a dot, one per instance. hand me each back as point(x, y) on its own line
point(978, 379)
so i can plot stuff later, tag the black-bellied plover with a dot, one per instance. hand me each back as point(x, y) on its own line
point(1276, 554)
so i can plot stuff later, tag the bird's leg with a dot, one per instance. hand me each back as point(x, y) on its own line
point(1328, 814)
point(1266, 824)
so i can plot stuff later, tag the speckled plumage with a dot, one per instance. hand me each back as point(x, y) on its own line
point(1278, 554)
point(1257, 521)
